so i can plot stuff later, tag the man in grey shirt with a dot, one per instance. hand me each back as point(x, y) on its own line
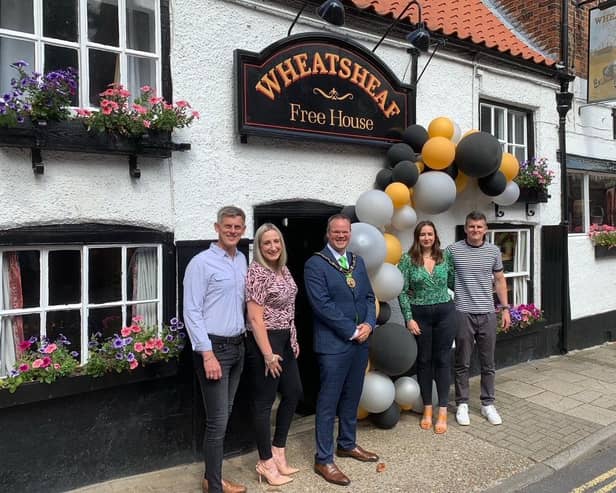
point(214, 314)
point(478, 265)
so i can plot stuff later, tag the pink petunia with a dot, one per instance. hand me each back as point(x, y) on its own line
point(24, 367)
point(24, 345)
point(137, 319)
point(56, 366)
point(159, 344)
point(145, 89)
point(139, 347)
point(196, 115)
point(182, 104)
point(126, 331)
point(37, 363)
point(147, 124)
point(150, 344)
point(135, 328)
point(124, 93)
point(50, 348)
point(106, 110)
point(139, 109)
point(46, 362)
point(134, 364)
point(155, 100)
point(148, 352)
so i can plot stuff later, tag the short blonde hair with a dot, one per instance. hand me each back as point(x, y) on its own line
point(258, 256)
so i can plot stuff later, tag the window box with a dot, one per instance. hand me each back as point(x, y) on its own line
point(533, 195)
point(603, 251)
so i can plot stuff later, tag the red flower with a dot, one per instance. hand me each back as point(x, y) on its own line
point(134, 364)
point(25, 345)
point(126, 331)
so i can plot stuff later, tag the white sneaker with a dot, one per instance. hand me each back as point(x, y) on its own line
point(462, 415)
point(491, 414)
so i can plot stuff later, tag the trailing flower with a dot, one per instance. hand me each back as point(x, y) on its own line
point(42, 361)
point(136, 345)
point(522, 317)
point(147, 112)
point(534, 173)
point(603, 235)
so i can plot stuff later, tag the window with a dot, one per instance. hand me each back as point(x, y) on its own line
point(511, 126)
point(592, 200)
point(76, 291)
point(515, 249)
point(105, 40)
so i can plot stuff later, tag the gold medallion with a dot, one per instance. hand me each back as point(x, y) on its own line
point(350, 282)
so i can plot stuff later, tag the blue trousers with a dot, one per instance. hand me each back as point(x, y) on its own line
point(342, 379)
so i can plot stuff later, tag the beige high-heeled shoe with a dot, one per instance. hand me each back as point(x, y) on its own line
point(272, 476)
point(281, 462)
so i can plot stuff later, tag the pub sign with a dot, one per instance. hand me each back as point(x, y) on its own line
point(323, 87)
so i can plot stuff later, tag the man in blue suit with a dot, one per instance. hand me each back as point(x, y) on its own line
point(342, 300)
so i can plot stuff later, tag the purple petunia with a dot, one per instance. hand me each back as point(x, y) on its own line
point(74, 354)
point(117, 342)
point(14, 373)
point(119, 356)
point(130, 357)
point(127, 340)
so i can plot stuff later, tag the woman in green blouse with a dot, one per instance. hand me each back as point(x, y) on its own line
point(429, 314)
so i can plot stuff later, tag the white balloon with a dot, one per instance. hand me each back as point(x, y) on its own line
point(404, 218)
point(417, 406)
point(387, 282)
point(407, 391)
point(509, 196)
point(374, 207)
point(369, 243)
point(405, 237)
point(457, 133)
point(378, 392)
point(434, 192)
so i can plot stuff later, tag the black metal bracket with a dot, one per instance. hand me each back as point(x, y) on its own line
point(133, 170)
point(37, 161)
point(498, 212)
point(530, 209)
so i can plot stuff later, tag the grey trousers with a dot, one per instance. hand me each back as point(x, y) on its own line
point(479, 329)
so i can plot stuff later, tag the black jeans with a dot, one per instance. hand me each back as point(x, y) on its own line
point(438, 329)
point(218, 398)
point(264, 389)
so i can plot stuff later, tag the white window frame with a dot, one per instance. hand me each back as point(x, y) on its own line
point(523, 276)
point(505, 144)
point(83, 45)
point(84, 306)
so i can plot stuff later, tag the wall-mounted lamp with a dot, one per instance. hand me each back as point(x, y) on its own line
point(420, 37)
point(331, 11)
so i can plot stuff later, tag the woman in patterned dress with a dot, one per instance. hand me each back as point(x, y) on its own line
point(429, 314)
point(272, 351)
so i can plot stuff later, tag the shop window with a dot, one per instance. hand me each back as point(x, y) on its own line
point(76, 291)
point(511, 126)
point(592, 200)
point(515, 247)
point(105, 40)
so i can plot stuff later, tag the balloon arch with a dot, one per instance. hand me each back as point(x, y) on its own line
point(425, 172)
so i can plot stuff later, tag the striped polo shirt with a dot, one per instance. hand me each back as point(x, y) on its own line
point(475, 268)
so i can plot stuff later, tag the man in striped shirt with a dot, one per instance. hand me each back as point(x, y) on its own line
point(478, 266)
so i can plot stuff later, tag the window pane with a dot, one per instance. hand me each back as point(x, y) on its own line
point(12, 50)
point(147, 311)
point(141, 72)
point(17, 15)
point(499, 123)
point(104, 70)
point(104, 275)
point(507, 242)
point(103, 22)
point(60, 19)
point(61, 58)
point(64, 277)
point(141, 273)
point(519, 120)
point(140, 25)
point(602, 194)
point(107, 321)
point(67, 323)
point(520, 153)
point(485, 118)
point(20, 280)
point(575, 182)
point(14, 330)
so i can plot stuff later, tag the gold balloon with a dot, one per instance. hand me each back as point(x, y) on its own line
point(420, 166)
point(411, 192)
point(461, 181)
point(398, 193)
point(509, 166)
point(438, 152)
point(362, 413)
point(377, 307)
point(406, 408)
point(471, 131)
point(441, 127)
point(394, 249)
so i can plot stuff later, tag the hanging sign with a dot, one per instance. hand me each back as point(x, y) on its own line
point(602, 53)
point(320, 86)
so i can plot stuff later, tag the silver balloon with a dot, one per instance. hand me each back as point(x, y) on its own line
point(378, 392)
point(435, 192)
point(418, 406)
point(509, 196)
point(457, 133)
point(374, 207)
point(387, 282)
point(368, 242)
point(404, 218)
point(407, 391)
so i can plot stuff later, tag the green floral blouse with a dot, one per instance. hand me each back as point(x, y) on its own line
point(423, 288)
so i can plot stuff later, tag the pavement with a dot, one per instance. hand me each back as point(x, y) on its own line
point(554, 411)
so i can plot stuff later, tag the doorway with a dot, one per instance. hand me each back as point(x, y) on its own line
point(303, 225)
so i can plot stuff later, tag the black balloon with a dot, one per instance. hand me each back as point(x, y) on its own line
point(451, 170)
point(384, 313)
point(494, 184)
point(388, 418)
point(478, 154)
point(349, 211)
point(393, 349)
point(383, 178)
point(405, 172)
point(399, 152)
point(415, 136)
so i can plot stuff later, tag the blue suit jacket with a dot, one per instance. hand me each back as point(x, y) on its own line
point(338, 309)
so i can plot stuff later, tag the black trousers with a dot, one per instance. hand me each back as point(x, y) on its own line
point(265, 388)
point(438, 329)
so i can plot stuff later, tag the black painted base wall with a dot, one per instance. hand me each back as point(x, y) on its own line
point(593, 330)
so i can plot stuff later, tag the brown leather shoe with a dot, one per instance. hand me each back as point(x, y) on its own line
point(332, 474)
point(358, 453)
point(227, 487)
